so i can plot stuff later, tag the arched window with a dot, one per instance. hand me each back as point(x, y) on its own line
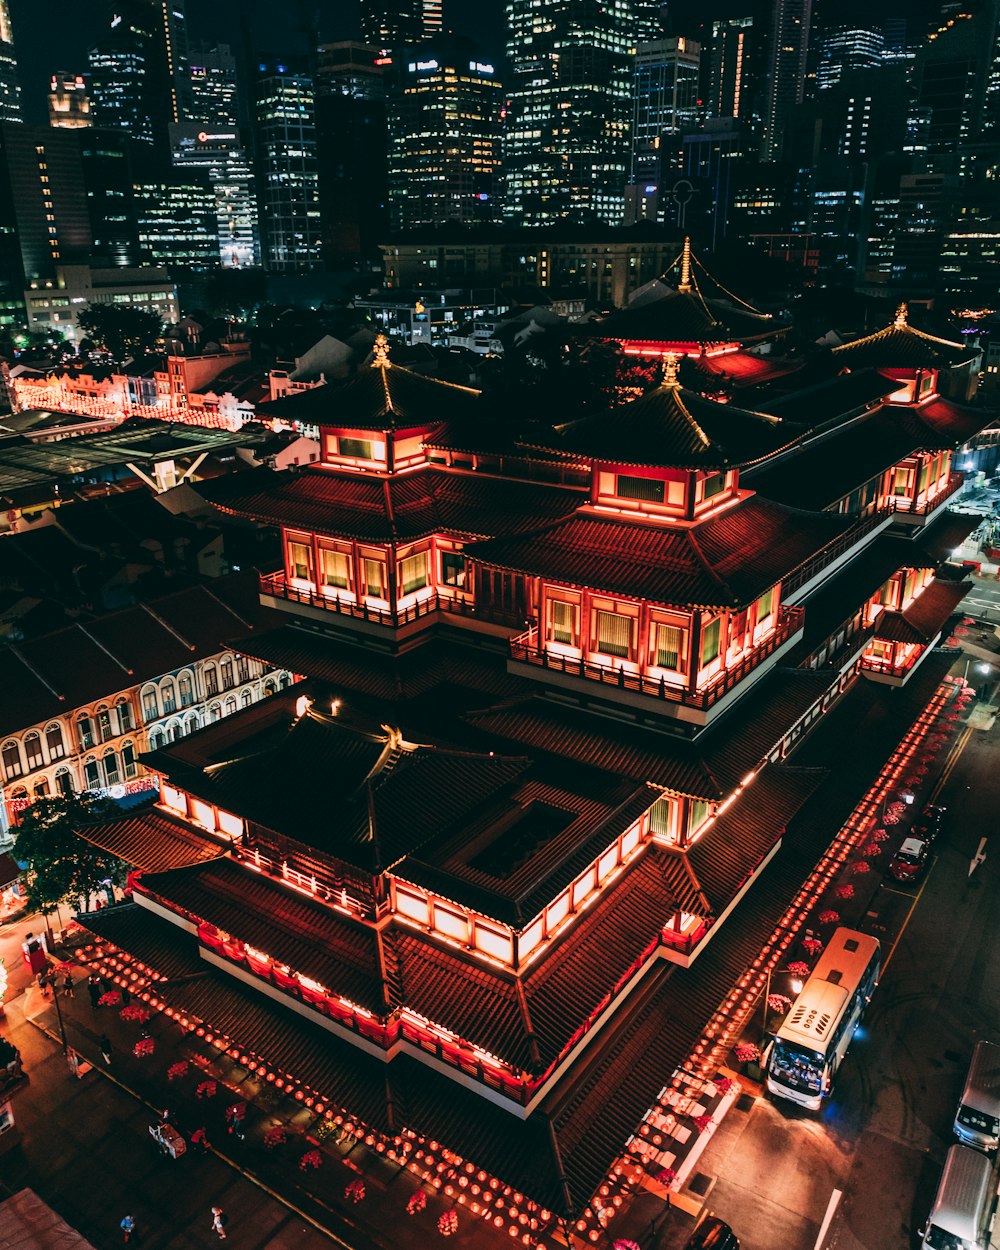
point(230, 705)
point(242, 668)
point(155, 740)
point(226, 673)
point(185, 687)
point(168, 696)
point(246, 698)
point(85, 732)
point(124, 710)
point(112, 772)
point(54, 741)
point(33, 750)
point(18, 792)
point(41, 788)
point(64, 781)
point(104, 725)
point(269, 687)
point(150, 705)
point(11, 755)
point(214, 711)
point(91, 775)
point(175, 731)
point(129, 765)
point(285, 681)
point(193, 722)
point(211, 679)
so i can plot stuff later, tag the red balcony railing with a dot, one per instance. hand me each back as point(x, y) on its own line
point(453, 603)
point(806, 572)
point(955, 483)
point(525, 649)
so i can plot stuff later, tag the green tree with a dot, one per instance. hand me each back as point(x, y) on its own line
point(61, 864)
point(121, 329)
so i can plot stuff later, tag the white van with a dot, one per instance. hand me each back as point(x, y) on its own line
point(977, 1120)
point(965, 1207)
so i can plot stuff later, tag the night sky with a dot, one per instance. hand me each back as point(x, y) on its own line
point(55, 34)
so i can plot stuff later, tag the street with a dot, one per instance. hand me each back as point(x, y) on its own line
point(772, 1171)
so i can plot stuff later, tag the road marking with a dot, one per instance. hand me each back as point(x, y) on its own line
point(907, 920)
point(824, 1228)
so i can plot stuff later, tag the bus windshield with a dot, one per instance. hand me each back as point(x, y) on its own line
point(940, 1239)
point(797, 1067)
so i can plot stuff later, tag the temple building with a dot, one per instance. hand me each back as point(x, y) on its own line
point(572, 693)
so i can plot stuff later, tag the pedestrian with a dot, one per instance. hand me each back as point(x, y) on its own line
point(200, 1138)
point(165, 1115)
point(128, 1227)
point(219, 1222)
point(94, 990)
point(68, 985)
point(105, 1045)
point(44, 983)
point(126, 996)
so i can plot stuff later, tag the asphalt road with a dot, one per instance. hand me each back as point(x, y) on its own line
point(871, 1161)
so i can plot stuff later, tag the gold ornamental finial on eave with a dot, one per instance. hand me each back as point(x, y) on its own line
point(380, 352)
point(901, 314)
point(670, 363)
point(685, 282)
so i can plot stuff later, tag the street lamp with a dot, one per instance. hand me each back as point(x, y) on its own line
point(795, 985)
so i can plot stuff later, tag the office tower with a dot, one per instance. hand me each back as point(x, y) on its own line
point(666, 98)
point(10, 83)
point(138, 71)
point(955, 86)
point(569, 107)
point(786, 70)
point(69, 103)
point(444, 116)
point(176, 221)
point(397, 23)
point(214, 91)
point(846, 48)
point(107, 176)
point(895, 47)
point(285, 152)
point(730, 67)
point(216, 150)
point(352, 150)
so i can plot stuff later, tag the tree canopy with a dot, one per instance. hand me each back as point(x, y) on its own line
point(121, 329)
point(61, 864)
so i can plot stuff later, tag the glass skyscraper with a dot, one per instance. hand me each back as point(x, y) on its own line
point(287, 173)
point(10, 86)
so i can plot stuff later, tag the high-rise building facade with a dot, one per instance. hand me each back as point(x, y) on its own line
point(352, 146)
point(287, 175)
point(177, 223)
point(216, 150)
point(569, 106)
point(69, 102)
point(398, 23)
point(730, 68)
point(786, 70)
point(846, 48)
point(444, 113)
point(10, 83)
point(214, 91)
point(666, 97)
point(118, 99)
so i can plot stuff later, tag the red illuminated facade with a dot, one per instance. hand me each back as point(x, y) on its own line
point(555, 674)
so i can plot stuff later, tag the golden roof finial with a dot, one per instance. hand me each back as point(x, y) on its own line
point(670, 363)
point(380, 352)
point(685, 282)
point(901, 313)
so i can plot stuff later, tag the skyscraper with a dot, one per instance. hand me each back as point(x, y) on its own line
point(10, 85)
point(786, 70)
point(118, 99)
point(69, 102)
point(214, 91)
point(666, 96)
point(569, 106)
point(397, 23)
point(444, 114)
point(731, 66)
point(285, 152)
point(846, 48)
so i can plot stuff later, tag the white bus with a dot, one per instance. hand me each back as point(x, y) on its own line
point(815, 1035)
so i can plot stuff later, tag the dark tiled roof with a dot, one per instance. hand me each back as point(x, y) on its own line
point(53, 674)
point(377, 397)
point(900, 347)
point(152, 841)
point(926, 616)
point(942, 419)
point(671, 426)
point(740, 368)
point(946, 533)
point(158, 943)
point(725, 561)
point(829, 400)
point(684, 317)
point(412, 505)
point(308, 936)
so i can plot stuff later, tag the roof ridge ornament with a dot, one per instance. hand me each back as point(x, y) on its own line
point(380, 352)
point(671, 362)
point(902, 312)
point(685, 282)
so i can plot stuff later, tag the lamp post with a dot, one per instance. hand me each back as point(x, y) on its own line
point(59, 1017)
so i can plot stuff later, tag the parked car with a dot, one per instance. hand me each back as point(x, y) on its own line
point(713, 1234)
point(912, 858)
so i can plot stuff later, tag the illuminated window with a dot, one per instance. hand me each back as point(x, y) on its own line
point(714, 485)
point(453, 569)
point(614, 634)
point(413, 573)
point(669, 647)
point(699, 814)
point(645, 488)
point(359, 448)
point(710, 641)
point(300, 561)
point(33, 750)
point(11, 759)
point(335, 568)
point(765, 607)
point(562, 622)
point(54, 742)
point(124, 711)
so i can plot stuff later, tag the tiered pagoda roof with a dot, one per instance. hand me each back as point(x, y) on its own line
point(428, 500)
point(671, 426)
point(901, 346)
point(725, 561)
point(379, 395)
point(923, 620)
